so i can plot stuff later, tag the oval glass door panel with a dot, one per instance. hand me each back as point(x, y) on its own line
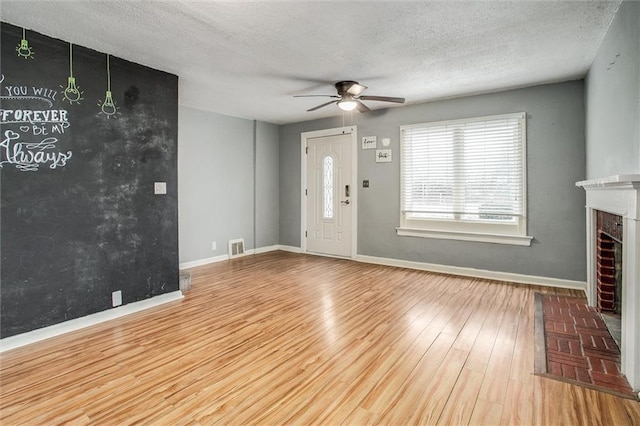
point(327, 187)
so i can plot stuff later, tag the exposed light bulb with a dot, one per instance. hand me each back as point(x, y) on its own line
point(72, 93)
point(108, 107)
point(23, 48)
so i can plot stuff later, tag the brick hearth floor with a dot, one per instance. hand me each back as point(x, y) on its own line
point(579, 347)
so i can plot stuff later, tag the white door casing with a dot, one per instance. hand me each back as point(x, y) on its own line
point(329, 207)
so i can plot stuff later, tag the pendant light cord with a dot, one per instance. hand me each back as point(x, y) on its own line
point(108, 75)
point(70, 60)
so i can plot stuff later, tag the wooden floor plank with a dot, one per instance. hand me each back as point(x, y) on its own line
point(518, 410)
point(462, 398)
point(281, 338)
point(406, 399)
point(486, 413)
point(496, 378)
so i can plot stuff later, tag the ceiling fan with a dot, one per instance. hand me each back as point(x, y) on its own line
point(349, 97)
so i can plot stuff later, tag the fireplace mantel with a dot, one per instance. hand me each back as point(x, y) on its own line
point(620, 195)
point(610, 181)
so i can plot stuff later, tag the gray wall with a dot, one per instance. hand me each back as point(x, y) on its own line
point(613, 99)
point(555, 157)
point(221, 159)
point(267, 184)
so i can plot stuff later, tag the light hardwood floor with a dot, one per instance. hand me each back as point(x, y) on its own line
point(280, 338)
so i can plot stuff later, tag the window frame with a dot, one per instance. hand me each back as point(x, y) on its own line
point(469, 230)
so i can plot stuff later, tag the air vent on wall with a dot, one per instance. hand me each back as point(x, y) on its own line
point(236, 248)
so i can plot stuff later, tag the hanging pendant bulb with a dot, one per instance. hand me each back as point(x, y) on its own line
point(23, 48)
point(72, 92)
point(108, 106)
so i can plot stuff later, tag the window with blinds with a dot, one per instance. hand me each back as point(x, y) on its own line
point(465, 175)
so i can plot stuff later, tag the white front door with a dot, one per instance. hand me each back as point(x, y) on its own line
point(329, 194)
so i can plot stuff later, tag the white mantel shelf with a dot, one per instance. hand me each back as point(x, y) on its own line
point(610, 181)
point(619, 195)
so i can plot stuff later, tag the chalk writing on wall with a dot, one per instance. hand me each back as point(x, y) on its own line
point(31, 131)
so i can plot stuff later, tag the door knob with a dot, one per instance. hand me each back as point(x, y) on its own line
point(344, 202)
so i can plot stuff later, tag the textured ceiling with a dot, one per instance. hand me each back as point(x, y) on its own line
point(248, 59)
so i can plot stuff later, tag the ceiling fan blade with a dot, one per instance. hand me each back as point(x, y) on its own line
point(362, 107)
point(322, 105)
point(313, 96)
point(382, 98)
point(356, 89)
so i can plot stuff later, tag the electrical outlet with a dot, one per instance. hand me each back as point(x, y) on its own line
point(160, 188)
point(213, 245)
point(116, 298)
point(365, 183)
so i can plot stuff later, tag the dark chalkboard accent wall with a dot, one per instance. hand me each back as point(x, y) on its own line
point(79, 218)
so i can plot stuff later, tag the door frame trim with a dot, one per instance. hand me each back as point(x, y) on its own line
point(348, 130)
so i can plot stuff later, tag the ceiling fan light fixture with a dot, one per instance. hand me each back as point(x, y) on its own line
point(347, 103)
point(349, 97)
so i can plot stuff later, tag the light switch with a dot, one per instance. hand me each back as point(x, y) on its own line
point(160, 188)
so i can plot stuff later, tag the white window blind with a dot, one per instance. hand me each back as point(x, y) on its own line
point(465, 170)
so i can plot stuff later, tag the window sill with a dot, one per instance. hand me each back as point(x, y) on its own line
point(517, 240)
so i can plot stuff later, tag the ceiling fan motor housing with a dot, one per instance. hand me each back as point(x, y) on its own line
point(343, 86)
point(350, 87)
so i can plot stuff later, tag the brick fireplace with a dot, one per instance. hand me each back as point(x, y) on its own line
point(613, 223)
point(608, 262)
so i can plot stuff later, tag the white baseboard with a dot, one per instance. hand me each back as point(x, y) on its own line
point(221, 258)
point(290, 249)
point(200, 262)
point(29, 337)
point(263, 249)
point(478, 273)
point(275, 247)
